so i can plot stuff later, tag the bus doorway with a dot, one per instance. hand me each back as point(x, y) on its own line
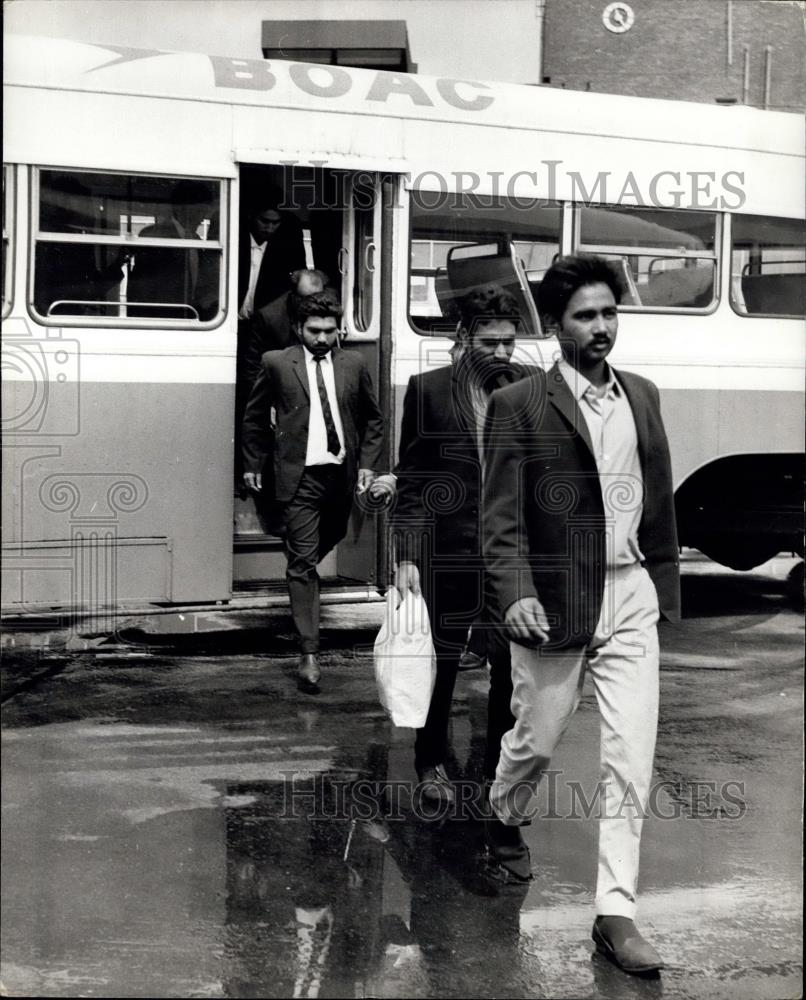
point(330, 222)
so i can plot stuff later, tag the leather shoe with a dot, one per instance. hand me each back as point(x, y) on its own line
point(471, 661)
point(618, 939)
point(436, 785)
point(308, 674)
point(508, 855)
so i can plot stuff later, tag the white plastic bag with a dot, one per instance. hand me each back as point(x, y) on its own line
point(405, 663)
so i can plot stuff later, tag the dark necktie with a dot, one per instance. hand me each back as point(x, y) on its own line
point(333, 445)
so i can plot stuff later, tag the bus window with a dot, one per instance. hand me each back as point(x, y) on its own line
point(8, 229)
point(482, 227)
point(132, 247)
point(768, 266)
point(364, 252)
point(667, 257)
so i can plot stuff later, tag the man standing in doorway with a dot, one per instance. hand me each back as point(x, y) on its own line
point(328, 438)
point(581, 546)
point(271, 248)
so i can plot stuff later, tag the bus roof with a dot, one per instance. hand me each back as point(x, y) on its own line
point(34, 61)
point(95, 108)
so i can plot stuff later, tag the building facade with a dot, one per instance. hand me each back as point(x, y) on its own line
point(730, 51)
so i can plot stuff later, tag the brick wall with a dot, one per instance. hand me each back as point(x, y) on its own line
point(679, 49)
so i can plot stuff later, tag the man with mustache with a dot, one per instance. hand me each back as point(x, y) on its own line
point(581, 547)
point(327, 441)
point(437, 518)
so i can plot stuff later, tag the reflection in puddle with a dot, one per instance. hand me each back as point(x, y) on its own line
point(323, 903)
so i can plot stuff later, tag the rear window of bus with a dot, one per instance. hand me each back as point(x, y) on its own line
point(768, 266)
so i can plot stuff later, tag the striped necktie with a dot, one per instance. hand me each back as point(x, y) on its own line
point(333, 445)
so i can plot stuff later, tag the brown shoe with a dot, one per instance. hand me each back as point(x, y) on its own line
point(618, 939)
point(308, 673)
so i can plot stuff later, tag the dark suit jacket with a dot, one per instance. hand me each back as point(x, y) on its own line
point(271, 331)
point(437, 510)
point(285, 253)
point(544, 511)
point(282, 385)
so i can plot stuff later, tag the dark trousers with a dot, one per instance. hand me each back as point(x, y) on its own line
point(314, 521)
point(458, 598)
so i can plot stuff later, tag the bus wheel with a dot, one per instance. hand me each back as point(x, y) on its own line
point(794, 583)
point(738, 553)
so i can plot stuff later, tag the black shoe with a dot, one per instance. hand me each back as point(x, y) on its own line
point(436, 785)
point(618, 939)
point(471, 661)
point(308, 674)
point(508, 859)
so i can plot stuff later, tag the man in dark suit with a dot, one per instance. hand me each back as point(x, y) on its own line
point(437, 522)
point(581, 547)
point(271, 247)
point(328, 437)
point(271, 324)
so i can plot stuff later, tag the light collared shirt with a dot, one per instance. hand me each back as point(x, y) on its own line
point(480, 400)
point(316, 452)
point(256, 251)
point(611, 425)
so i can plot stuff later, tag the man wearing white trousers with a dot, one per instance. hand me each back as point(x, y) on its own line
point(581, 548)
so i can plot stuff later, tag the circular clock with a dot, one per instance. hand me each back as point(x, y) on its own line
point(618, 17)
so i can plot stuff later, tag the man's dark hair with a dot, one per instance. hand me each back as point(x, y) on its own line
point(320, 304)
point(265, 197)
point(485, 304)
point(567, 274)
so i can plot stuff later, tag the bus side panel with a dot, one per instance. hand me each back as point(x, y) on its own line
point(136, 505)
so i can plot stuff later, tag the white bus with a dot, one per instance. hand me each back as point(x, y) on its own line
point(119, 403)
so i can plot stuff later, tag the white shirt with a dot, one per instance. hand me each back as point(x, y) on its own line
point(611, 425)
point(316, 452)
point(256, 251)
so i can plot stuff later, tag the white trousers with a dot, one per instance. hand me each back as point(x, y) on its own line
point(623, 661)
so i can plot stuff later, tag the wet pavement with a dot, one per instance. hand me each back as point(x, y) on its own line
point(179, 821)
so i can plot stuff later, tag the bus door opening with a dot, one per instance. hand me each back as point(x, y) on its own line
point(328, 221)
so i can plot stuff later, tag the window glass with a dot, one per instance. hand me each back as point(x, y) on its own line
point(87, 261)
point(768, 266)
point(448, 228)
point(364, 253)
point(667, 258)
point(8, 248)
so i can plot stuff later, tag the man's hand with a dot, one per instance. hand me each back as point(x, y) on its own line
point(526, 623)
point(384, 489)
point(407, 577)
point(253, 481)
point(365, 477)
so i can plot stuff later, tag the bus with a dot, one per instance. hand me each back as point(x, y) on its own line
point(119, 402)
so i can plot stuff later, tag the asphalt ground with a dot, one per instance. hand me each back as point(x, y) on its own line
point(180, 821)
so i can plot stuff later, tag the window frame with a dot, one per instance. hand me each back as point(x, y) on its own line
point(35, 236)
point(607, 251)
point(350, 263)
point(729, 258)
point(9, 236)
point(449, 331)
